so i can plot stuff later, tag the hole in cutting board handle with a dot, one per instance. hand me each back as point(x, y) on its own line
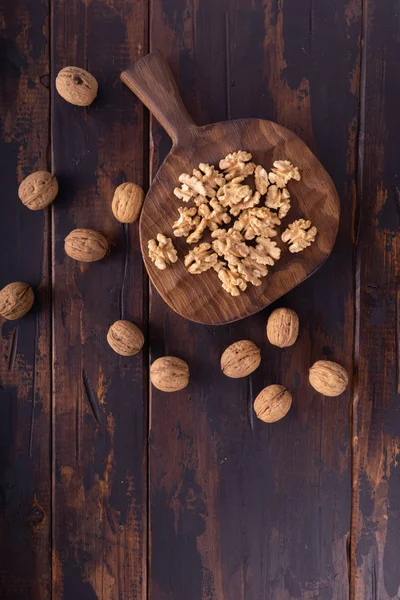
point(151, 79)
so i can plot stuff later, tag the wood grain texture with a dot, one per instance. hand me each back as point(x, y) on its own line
point(248, 510)
point(25, 385)
point(202, 299)
point(238, 509)
point(376, 516)
point(100, 400)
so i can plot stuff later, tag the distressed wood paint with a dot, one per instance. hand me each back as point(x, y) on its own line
point(255, 511)
point(237, 509)
point(100, 399)
point(25, 357)
point(376, 471)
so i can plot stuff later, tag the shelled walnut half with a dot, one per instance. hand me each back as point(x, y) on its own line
point(299, 235)
point(162, 251)
point(201, 259)
point(282, 172)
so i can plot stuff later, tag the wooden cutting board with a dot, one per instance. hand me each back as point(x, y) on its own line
point(201, 298)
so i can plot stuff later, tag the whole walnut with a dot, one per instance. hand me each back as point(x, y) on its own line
point(76, 86)
point(16, 300)
point(38, 190)
point(86, 245)
point(240, 359)
point(328, 378)
point(169, 374)
point(125, 338)
point(127, 202)
point(272, 403)
point(283, 327)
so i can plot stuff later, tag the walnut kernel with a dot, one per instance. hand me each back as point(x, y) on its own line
point(237, 166)
point(282, 172)
point(252, 270)
point(197, 234)
point(257, 222)
point(200, 259)
point(278, 199)
point(231, 281)
point(299, 235)
point(162, 251)
point(261, 180)
point(188, 220)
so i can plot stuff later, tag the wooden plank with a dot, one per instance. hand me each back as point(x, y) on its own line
point(100, 405)
point(376, 518)
point(25, 481)
point(240, 509)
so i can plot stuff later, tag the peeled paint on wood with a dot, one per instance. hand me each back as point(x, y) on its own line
point(240, 359)
point(16, 300)
point(86, 245)
point(127, 202)
point(38, 190)
point(76, 86)
point(125, 338)
point(169, 374)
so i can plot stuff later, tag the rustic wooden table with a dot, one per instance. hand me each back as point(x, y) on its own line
point(109, 490)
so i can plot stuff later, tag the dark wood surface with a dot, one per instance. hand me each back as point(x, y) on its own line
point(110, 492)
point(25, 345)
point(202, 299)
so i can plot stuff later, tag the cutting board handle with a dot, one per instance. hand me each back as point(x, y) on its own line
point(150, 78)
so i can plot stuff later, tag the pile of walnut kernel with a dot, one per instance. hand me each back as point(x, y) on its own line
point(241, 253)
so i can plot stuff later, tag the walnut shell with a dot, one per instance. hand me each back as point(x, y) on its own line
point(76, 86)
point(169, 374)
point(38, 190)
point(283, 327)
point(86, 245)
point(272, 403)
point(328, 378)
point(125, 338)
point(16, 300)
point(240, 359)
point(127, 202)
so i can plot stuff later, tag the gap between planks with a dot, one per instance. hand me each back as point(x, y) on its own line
point(354, 405)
